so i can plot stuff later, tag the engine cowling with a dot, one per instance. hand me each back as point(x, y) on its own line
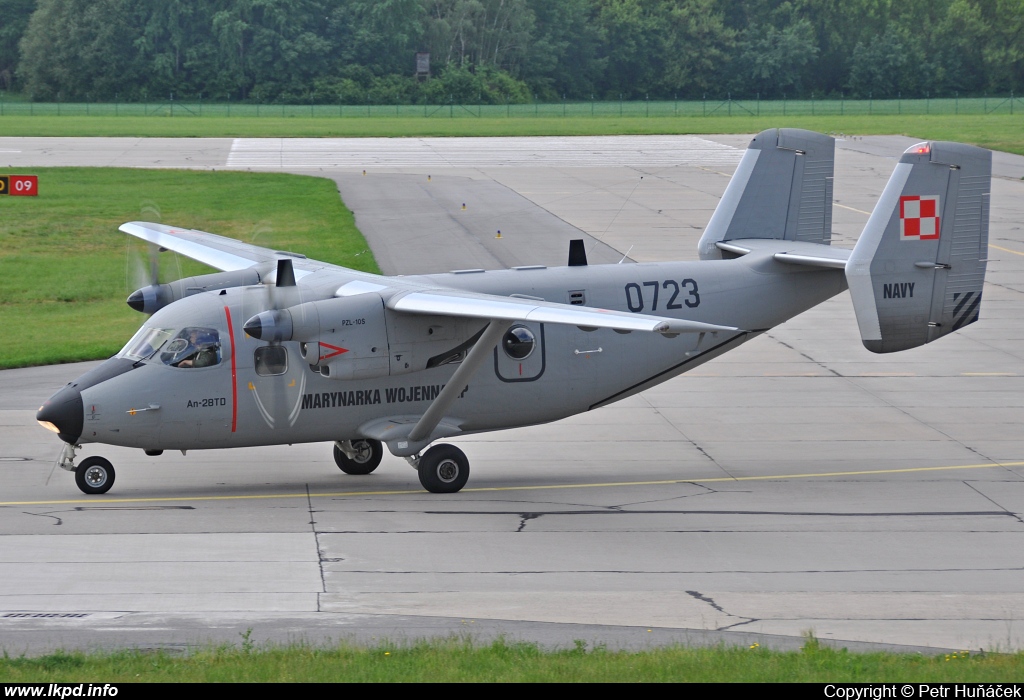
point(343, 337)
point(151, 299)
point(356, 337)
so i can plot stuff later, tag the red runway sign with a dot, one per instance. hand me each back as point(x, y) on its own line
point(19, 185)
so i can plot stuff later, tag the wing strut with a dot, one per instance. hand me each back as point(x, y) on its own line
point(436, 410)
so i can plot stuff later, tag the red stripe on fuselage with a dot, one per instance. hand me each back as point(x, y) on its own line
point(234, 374)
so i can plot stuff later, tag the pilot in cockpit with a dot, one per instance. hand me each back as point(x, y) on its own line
point(194, 347)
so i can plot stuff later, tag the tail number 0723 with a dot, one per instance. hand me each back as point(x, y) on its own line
point(684, 291)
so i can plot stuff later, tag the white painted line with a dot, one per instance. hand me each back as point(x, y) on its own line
point(548, 151)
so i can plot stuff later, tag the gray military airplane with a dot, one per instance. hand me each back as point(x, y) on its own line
point(277, 348)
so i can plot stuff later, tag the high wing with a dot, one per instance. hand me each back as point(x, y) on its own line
point(490, 306)
point(219, 252)
point(406, 296)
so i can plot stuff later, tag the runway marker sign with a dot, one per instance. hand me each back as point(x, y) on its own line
point(19, 185)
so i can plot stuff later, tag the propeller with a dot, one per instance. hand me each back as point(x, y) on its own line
point(281, 376)
point(143, 276)
point(142, 273)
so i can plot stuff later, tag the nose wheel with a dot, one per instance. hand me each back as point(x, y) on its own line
point(443, 469)
point(94, 475)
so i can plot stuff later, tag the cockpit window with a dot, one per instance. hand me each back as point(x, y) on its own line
point(193, 347)
point(145, 343)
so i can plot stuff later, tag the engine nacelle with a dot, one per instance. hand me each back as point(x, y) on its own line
point(151, 299)
point(355, 337)
point(345, 337)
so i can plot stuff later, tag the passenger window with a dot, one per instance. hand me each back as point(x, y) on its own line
point(271, 360)
point(193, 347)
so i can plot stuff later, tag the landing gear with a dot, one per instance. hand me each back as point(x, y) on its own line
point(443, 469)
point(94, 475)
point(358, 456)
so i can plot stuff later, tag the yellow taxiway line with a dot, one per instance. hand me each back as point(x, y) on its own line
point(491, 489)
point(1005, 250)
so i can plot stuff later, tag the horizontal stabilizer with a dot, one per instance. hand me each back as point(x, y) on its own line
point(792, 252)
point(489, 306)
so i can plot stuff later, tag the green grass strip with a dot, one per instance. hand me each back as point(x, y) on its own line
point(1004, 132)
point(462, 661)
point(67, 269)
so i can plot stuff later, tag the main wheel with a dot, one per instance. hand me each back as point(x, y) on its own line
point(367, 458)
point(443, 469)
point(94, 475)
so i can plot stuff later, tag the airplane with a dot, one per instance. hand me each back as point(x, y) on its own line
point(276, 348)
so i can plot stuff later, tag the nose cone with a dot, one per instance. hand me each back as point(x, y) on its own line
point(270, 325)
point(65, 412)
point(137, 300)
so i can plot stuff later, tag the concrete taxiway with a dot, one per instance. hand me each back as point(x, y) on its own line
point(796, 485)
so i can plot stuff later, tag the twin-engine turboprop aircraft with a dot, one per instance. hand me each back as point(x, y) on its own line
point(279, 349)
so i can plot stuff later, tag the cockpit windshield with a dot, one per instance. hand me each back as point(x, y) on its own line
point(193, 347)
point(145, 343)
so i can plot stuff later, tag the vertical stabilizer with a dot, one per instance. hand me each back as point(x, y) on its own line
point(781, 189)
point(918, 268)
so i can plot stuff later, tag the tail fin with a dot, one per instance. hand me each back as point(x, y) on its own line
point(782, 189)
point(917, 270)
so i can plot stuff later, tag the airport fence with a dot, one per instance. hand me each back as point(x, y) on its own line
point(569, 109)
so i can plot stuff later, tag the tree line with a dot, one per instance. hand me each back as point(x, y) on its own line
point(497, 51)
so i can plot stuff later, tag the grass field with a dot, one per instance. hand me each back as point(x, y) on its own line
point(461, 661)
point(67, 269)
point(565, 109)
point(1004, 132)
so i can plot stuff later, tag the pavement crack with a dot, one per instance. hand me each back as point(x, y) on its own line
point(524, 517)
point(711, 601)
point(46, 515)
point(319, 550)
point(741, 623)
point(705, 599)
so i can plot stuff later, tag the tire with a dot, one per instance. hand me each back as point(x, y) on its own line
point(94, 475)
point(368, 456)
point(443, 469)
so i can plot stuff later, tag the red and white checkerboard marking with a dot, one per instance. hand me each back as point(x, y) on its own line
point(919, 218)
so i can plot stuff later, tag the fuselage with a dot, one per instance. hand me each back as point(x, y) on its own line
point(237, 393)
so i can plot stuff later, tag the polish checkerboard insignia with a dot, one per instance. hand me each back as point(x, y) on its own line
point(919, 218)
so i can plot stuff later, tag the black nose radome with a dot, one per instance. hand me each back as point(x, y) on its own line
point(65, 412)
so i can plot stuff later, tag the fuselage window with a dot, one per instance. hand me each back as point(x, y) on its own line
point(193, 347)
point(271, 360)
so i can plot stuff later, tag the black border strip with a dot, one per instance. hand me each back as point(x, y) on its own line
point(688, 360)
